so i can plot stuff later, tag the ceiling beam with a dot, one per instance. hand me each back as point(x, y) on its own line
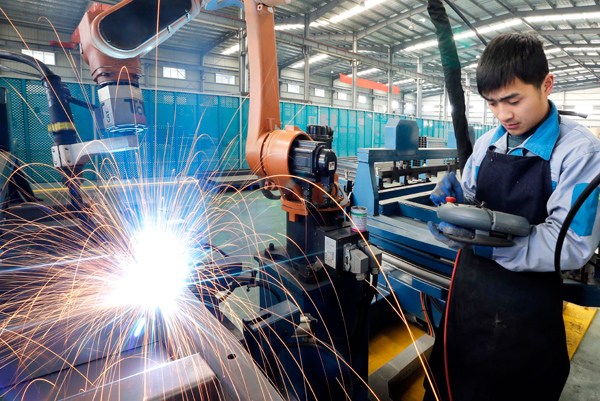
point(313, 16)
point(290, 62)
point(504, 17)
point(579, 85)
point(562, 32)
point(210, 18)
point(373, 28)
point(206, 48)
point(284, 37)
point(347, 55)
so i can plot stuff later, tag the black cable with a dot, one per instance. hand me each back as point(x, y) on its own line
point(569, 219)
point(61, 117)
point(572, 113)
point(466, 21)
point(30, 61)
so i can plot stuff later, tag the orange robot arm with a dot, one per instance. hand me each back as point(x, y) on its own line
point(269, 148)
point(113, 37)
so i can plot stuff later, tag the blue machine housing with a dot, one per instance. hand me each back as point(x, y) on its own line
point(417, 266)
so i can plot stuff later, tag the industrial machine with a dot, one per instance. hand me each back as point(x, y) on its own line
point(309, 340)
point(418, 267)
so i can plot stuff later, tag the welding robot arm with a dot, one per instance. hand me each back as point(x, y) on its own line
point(113, 37)
point(111, 40)
point(300, 166)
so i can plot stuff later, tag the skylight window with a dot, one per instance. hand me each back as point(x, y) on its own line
point(230, 50)
point(368, 72)
point(45, 57)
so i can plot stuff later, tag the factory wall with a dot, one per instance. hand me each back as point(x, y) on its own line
point(586, 101)
point(187, 133)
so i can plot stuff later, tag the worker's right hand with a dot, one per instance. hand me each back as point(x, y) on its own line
point(449, 186)
point(443, 228)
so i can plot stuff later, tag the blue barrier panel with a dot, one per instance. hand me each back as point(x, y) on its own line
point(187, 133)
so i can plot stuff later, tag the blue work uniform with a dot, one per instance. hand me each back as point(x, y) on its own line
point(574, 157)
point(503, 331)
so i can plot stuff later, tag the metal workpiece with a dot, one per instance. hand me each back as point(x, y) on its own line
point(484, 219)
point(206, 362)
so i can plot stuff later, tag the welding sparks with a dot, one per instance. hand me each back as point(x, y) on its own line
point(155, 272)
point(83, 295)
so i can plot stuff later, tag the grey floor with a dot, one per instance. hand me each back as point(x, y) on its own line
point(584, 379)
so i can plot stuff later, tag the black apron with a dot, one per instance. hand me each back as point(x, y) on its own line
point(503, 336)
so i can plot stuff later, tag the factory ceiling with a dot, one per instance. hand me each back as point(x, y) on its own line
point(399, 31)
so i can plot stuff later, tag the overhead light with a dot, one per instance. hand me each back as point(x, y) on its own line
point(582, 49)
point(313, 59)
point(491, 28)
point(404, 81)
point(233, 49)
point(335, 19)
point(355, 10)
point(510, 23)
point(469, 34)
point(288, 27)
point(367, 72)
point(553, 50)
point(563, 17)
point(569, 70)
point(292, 27)
point(319, 23)
point(424, 45)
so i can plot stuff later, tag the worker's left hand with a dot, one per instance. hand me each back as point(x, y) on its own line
point(439, 230)
point(448, 186)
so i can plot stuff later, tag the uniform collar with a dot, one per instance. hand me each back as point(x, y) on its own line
point(541, 143)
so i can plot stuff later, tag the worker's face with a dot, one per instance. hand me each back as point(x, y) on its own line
point(520, 106)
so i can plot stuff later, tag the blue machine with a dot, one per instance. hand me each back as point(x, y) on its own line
point(417, 266)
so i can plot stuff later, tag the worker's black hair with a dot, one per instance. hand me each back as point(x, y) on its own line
point(509, 56)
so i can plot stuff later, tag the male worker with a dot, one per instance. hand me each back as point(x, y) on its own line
point(503, 335)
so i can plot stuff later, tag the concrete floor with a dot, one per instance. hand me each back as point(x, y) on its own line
point(584, 378)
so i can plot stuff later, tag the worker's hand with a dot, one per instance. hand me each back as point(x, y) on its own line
point(443, 228)
point(447, 186)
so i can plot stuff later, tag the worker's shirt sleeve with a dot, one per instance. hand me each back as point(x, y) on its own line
point(575, 162)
